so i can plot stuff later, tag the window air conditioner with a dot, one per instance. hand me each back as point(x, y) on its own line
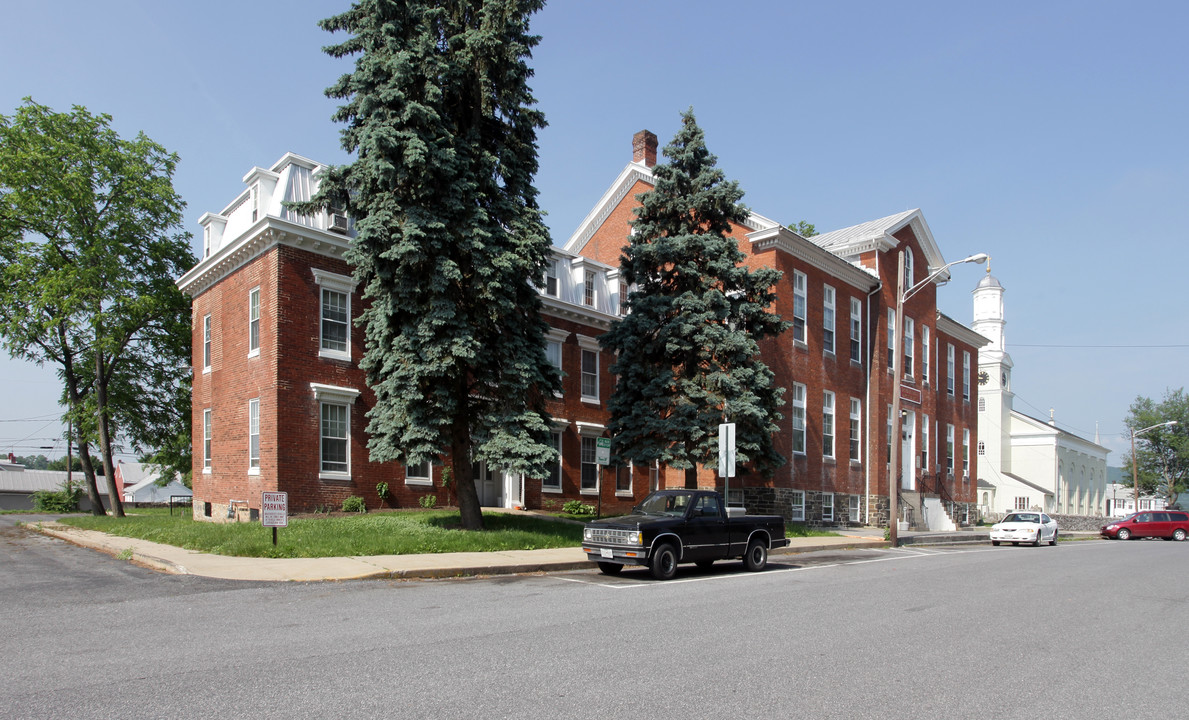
point(338, 223)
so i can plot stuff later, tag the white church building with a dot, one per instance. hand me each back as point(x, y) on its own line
point(1025, 463)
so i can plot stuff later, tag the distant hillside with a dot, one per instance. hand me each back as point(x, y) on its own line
point(1118, 475)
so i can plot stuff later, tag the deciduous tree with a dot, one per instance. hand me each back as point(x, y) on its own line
point(450, 241)
point(90, 241)
point(1162, 452)
point(687, 350)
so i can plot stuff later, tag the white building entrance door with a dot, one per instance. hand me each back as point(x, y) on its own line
point(486, 486)
point(511, 493)
point(908, 456)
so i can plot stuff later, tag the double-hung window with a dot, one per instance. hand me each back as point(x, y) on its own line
point(552, 481)
point(949, 449)
point(856, 331)
point(800, 303)
point(925, 445)
point(797, 505)
point(551, 284)
point(206, 440)
point(925, 353)
point(908, 343)
point(828, 424)
point(555, 340)
point(206, 343)
point(855, 425)
point(828, 319)
point(589, 368)
point(588, 289)
point(949, 369)
point(254, 436)
point(798, 418)
point(335, 315)
point(965, 452)
point(966, 376)
point(828, 507)
point(254, 322)
point(891, 338)
point(854, 508)
point(334, 429)
point(590, 468)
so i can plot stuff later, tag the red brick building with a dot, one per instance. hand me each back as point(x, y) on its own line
point(839, 291)
point(280, 402)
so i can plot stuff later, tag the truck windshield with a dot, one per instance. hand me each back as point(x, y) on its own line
point(666, 504)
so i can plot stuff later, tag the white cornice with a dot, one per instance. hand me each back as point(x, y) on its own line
point(265, 234)
point(578, 313)
point(785, 240)
point(958, 331)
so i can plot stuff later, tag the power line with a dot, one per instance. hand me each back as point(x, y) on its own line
point(1102, 347)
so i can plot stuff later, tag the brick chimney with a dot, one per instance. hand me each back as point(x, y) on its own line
point(644, 148)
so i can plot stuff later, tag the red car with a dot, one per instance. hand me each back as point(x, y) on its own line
point(1167, 524)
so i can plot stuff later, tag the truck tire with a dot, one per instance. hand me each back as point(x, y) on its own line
point(664, 562)
point(610, 568)
point(756, 557)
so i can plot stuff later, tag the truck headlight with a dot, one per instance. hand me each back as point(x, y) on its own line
point(587, 533)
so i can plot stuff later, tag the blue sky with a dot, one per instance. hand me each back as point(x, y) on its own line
point(1050, 135)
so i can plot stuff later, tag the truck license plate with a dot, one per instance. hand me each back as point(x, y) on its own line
point(606, 552)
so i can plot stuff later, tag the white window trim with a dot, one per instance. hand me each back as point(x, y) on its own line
point(909, 341)
point(824, 496)
point(965, 376)
point(856, 427)
point(254, 292)
point(589, 344)
point(208, 442)
point(583, 436)
point(829, 320)
point(556, 431)
point(855, 328)
point(925, 354)
point(338, 283)
point(631, 480)
point(799, 404)
point(554, 335)
point(208, 345)
point(422, 480)
point(333, 395)
point(797, 509)
point(829, 411)
point(949, 368)
point(800, 292)
point(254, 403)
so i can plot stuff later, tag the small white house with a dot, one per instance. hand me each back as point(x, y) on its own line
point(140, 484)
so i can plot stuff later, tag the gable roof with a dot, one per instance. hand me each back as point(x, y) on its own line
point(877, 235)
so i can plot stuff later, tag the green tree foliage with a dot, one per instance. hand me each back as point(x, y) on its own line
point(804, 229)
point(450, 241)
point(90, 243)
point(33, 462)
point(1163, 452)
point(687, 350)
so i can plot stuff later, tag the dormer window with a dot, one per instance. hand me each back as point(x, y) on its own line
point(255, 202)
point(588, 287)
point(206, 241)
point(551, 285)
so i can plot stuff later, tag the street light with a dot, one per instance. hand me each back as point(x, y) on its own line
point(902, 295)
point(1134, 469)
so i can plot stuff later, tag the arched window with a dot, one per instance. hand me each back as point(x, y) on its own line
point(982, 448)
point(982, 404)
point(907, 268)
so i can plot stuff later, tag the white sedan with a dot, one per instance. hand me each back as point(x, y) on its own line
point(1021, 527)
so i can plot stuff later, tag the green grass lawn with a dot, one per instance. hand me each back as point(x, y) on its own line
point(800, 530)
point(384, 533)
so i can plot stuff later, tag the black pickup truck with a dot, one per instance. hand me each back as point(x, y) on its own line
point(681, 526)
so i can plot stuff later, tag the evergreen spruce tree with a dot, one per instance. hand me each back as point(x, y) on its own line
point(450, 241)
point(688, 357)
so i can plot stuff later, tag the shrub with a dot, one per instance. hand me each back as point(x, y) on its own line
point(428, 501)
point(577, 507)
point(354, 504)
point(58, 501)
point(382, 490)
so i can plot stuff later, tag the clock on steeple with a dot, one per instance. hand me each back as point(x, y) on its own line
point(983, 378)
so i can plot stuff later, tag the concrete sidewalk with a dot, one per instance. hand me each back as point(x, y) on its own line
point(170, 559)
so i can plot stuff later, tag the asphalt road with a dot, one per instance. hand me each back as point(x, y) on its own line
point(1082, 630)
